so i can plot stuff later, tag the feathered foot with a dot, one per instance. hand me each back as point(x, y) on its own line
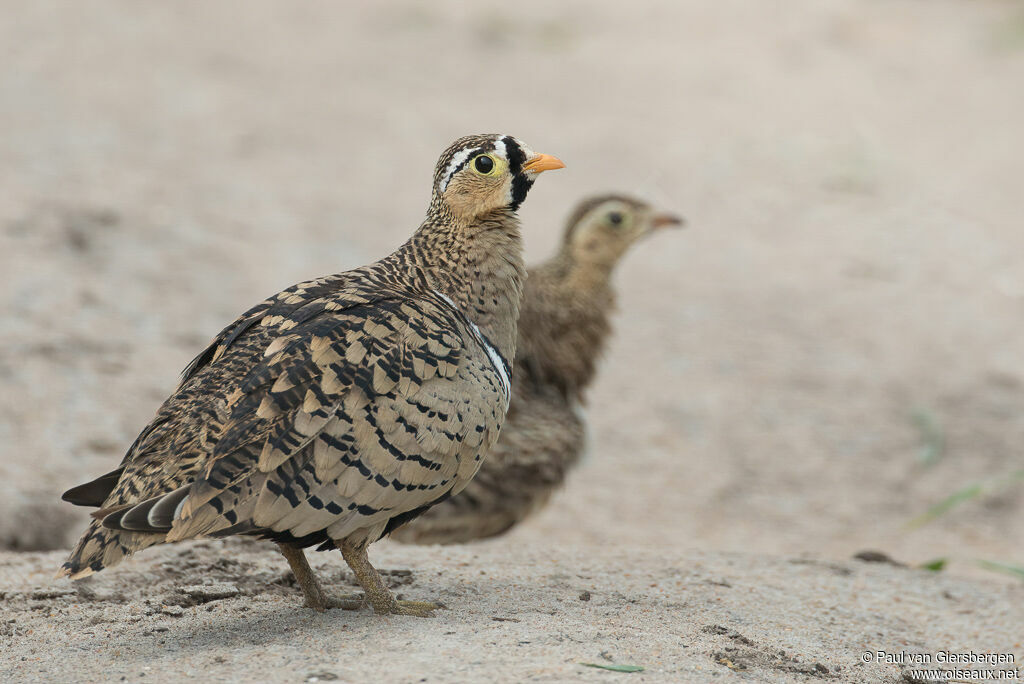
point(316, 598)
point(383, 602)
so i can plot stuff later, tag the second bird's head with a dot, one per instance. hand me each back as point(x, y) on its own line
point(479, 174)
point(601, 229)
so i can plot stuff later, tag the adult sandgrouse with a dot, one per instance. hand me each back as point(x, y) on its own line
point(563, 327)
point(338, 409)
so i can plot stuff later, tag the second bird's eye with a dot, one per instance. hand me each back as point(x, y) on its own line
point(615, 218)
point(484, 164)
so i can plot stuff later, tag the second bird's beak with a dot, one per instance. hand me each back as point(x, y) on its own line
point(665, 220)
point(542, 162)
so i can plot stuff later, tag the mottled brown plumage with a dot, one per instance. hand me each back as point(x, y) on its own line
point(341, 407)
point(563, 327)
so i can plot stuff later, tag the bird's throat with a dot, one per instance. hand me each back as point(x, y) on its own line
point(480, 268)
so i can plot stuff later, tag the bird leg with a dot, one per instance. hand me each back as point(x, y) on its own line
point(377, 593)
point(316, 598)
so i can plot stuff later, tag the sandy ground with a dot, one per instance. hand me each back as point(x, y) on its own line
point(225, 612)
point(830, 349)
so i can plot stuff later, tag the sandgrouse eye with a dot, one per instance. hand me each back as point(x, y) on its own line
point(615, 218)
point(484, 164)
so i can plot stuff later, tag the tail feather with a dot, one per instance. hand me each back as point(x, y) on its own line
point(94, 493)
point(101, 548)
point(207, 511)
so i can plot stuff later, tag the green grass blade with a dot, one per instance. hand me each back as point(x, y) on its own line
point(937, 565)
point(952, 501)
point(1015, 570)
point(933, 439)
point(615, 668)
point(969, 492)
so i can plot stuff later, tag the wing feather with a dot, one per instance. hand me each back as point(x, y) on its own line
point(351, 422)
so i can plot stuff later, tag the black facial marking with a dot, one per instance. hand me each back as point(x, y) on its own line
point(520, 183)
point(515, 154)
point(520, 186)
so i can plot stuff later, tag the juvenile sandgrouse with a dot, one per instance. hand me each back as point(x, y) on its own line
point(340, 408)
point(563, 327)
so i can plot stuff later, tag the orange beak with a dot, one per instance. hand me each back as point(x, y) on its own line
point(543, 162)
point(663, 220)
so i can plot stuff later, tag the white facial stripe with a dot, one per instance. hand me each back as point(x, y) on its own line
point(460, 158)
point(492, 353)
point(457, 160)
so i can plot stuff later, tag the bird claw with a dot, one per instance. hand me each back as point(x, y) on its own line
point(348, 602)
point(423, 609)
point(359, 601)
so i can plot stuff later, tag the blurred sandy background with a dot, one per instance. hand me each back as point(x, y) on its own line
point(831, 347)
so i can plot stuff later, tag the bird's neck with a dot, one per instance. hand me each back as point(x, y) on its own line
point(565, 323)
point(588, 277)
point(479, 267)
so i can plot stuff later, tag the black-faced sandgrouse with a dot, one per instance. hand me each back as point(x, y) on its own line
point(344, 406)
point(563, 327)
